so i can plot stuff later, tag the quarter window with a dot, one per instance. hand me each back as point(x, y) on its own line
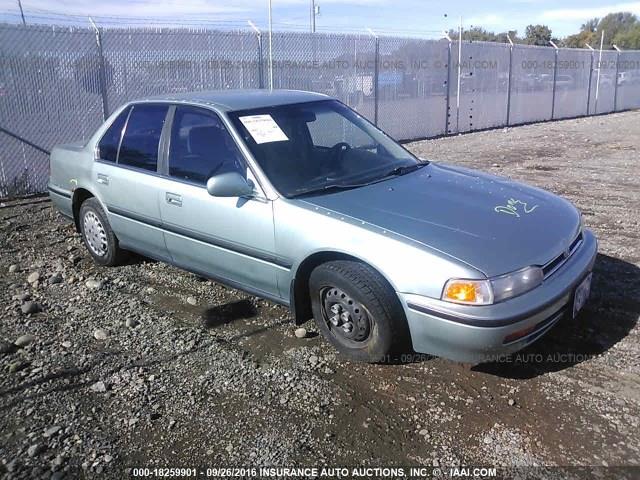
point(201, 147)
point(108, 146)
point(141, 138)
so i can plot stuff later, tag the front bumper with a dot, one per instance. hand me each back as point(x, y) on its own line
point(475, 334)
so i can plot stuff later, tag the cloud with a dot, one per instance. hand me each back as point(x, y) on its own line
point(490, 19)
point(587, 13)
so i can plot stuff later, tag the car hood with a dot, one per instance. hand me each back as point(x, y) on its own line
point(491, 223)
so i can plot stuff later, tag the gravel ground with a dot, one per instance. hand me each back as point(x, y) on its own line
point(103, 369)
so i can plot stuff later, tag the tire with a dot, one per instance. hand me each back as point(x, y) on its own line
point(97, 235)
point(378, 327)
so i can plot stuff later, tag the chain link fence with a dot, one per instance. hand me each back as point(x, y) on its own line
point(48, 94)
point(57, 84)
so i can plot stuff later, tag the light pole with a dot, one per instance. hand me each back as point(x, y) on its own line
point(21, 12)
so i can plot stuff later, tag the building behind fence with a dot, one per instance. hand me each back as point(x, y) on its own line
point(58, 84)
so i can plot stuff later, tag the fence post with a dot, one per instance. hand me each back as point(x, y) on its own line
point(615, 80)
point(555, 75)
point(102, 80)
point(448, 93)
point(590, 77)
point(509, 80)
point(376, 74)
point(260, 54)
point(260, 62)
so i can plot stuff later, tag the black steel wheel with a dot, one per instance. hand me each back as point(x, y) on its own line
point(346, 319)
point(357, 311)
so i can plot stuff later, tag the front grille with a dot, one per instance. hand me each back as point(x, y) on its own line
point(557, 262)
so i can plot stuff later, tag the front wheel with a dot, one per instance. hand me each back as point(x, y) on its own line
point(357, 311)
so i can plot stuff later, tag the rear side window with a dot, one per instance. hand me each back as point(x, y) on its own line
point(139, 147)
point(108, 146)
point(201, 147)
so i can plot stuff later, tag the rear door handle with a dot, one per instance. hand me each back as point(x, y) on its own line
point(174, 199)
point(103, 179)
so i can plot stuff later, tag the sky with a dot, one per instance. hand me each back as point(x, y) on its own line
point(409, 17)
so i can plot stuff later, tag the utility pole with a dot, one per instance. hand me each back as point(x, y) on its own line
point(21, 12)
point(312, 15)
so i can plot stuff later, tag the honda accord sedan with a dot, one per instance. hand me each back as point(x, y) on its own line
point(294, 197)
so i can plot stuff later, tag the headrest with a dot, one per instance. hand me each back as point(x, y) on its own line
point(203, 139)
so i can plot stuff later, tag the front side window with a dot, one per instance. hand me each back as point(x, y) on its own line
point(201, 147)
point(319, 146)
point(141, 139)
point(108, 145)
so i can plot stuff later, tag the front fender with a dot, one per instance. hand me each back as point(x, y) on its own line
point(302, 231)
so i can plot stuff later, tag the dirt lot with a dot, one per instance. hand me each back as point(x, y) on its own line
point(184, 372)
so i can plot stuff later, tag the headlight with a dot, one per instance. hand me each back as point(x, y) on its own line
point(496, 289)
point(516, 283)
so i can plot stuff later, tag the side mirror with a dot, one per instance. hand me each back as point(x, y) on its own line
point(230, 184)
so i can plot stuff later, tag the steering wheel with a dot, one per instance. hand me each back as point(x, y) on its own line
point(339, 149)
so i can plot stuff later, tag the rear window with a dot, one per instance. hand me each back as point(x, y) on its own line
point(141, 138)
point(108, 146)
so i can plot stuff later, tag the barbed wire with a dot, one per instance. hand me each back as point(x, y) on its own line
point(49, 17)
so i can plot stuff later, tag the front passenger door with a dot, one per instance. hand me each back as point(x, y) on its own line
point(229, 238)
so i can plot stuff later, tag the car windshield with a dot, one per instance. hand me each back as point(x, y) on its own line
point(320, 146)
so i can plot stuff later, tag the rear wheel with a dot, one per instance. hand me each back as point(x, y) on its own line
point(97, 235)
point(357, 311)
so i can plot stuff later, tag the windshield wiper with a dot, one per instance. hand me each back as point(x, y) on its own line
point(403, 170)
point(345, 186)
point(327, 188)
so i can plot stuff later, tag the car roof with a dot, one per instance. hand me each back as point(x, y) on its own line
point(231, 100)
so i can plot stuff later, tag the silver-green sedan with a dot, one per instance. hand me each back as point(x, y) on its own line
point(294, 197)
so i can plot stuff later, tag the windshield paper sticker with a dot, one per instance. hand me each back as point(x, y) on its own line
point(263, 128)
point(511, 208)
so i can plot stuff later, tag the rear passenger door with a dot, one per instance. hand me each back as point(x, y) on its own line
point(230, 238)
point(126, 177)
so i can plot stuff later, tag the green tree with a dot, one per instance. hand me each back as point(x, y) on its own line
point(587, 34)
point(474, 34)
point(478, 34)
point(590, 25)
point(513, 34)
point(578, 40)
point(629, 39)
point(612, 25)
point(537, 35)
point(620, 28)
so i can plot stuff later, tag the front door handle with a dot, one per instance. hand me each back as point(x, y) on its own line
point(174, 199)
point(103, 179)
